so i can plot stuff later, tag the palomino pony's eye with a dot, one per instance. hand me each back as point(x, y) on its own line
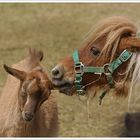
point(95, 51)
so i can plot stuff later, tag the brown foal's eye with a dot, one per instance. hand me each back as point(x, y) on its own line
point(95, 51)
point(23, 94)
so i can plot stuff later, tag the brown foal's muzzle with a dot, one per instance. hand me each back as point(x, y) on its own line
point(27, 116)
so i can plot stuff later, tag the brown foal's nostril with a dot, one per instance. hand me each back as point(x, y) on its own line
point(28, 116)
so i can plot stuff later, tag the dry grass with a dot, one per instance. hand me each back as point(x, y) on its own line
point(58, 29)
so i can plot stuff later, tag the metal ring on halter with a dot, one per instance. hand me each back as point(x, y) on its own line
point(106, 70)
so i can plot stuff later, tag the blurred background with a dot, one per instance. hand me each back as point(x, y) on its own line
point(58, 29)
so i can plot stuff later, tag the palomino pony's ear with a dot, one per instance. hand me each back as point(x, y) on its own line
point(16, 73)
point(130, 43)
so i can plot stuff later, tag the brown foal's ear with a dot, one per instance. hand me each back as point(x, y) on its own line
point(131, 43)
point(16, 73)
point(36, 53)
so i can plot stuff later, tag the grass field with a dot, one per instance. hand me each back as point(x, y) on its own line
point(58, 29)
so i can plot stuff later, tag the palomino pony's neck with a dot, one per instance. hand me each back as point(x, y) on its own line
point(9, 105)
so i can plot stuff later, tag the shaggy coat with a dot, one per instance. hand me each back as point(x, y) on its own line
point(12, 124)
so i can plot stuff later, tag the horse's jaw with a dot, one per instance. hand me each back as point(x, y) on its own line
point(64, 86)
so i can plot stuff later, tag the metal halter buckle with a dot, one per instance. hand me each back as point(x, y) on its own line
point(124, 56)
point(79, 68)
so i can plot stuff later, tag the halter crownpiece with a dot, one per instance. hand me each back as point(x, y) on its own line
point(108, 69)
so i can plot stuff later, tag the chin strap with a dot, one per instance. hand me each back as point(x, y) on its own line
point(108, 69)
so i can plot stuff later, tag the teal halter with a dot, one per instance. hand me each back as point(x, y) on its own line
point(108, 69)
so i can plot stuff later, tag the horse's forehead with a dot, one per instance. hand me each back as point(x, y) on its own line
point(38, 75)
point(33, 74)
point(30, 86)
point(100, 42)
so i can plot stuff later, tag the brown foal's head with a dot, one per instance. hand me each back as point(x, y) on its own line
point(35, 88)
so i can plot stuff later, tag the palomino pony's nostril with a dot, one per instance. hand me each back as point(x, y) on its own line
point(58, 72)
point(55, 71)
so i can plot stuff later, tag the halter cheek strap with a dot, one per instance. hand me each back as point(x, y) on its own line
point(108, 69)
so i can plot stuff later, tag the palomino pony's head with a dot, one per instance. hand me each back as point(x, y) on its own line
point(101, 51)
point(35, 88)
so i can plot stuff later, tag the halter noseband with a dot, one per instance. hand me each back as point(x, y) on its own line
point(108, 69)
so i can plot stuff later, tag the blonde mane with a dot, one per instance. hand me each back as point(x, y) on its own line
point(112, 29)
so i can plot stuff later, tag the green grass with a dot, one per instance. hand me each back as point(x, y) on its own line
point(58, 29)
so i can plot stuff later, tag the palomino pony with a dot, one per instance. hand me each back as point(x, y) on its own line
point(109, 59)
point(26, 106)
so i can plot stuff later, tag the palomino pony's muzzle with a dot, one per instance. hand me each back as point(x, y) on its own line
point(58, 72)
point(58, 80)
